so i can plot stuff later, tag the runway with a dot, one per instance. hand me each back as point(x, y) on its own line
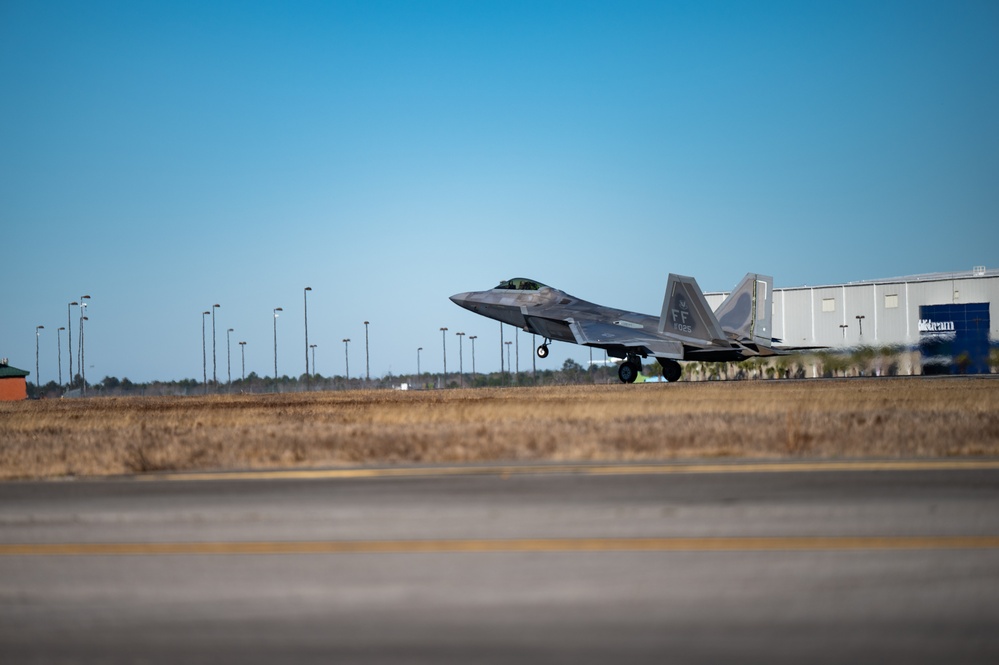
point(549, 563)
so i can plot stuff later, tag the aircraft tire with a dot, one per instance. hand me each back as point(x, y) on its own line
point(671, 370)
point(627, 372)
point(543, 351)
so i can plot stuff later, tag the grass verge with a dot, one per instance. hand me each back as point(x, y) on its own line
point(857, 418)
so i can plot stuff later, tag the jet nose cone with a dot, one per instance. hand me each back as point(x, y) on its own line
point(460, 299)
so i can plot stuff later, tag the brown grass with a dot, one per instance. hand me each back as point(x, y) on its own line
point(883, 418)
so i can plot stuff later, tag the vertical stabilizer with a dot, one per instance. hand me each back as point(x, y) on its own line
point(748, 310)
point(686, 312)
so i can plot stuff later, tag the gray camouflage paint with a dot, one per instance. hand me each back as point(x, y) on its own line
point(686, 329)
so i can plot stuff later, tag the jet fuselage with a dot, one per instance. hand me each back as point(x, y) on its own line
point(687, 328)
point(548, 311)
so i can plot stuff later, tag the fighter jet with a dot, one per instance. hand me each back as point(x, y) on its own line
point(686, 329)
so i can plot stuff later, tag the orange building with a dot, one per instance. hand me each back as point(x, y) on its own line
point(13, 385)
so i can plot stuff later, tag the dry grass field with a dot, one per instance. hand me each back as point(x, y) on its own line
point(856, 418)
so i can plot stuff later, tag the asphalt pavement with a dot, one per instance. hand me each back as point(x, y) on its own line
point(795, 564)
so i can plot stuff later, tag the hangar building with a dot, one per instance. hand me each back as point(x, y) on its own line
point(951, 319)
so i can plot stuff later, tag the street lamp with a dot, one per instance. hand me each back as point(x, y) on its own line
point(215, 378)
point(83, 317)
point(860, 322)
point(461, 362)
point(83, 357)
point(313, 347)
point(59, 347)
point(501, 351)
point(38, 381)
point(508, 345)
point(204, 353)
point(276, 310)
point(516, 355)
point(843, 327)
point(473, 338)
point(69, 338)
point(242, 349)
point(305, 296)
point(228, 356)
point(534, 359)
point(418, 362)
point(444, 342)
point(367, 358)
point(346, 359)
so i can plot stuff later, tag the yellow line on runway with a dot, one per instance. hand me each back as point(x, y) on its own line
point(586, 469)
point(737, 544)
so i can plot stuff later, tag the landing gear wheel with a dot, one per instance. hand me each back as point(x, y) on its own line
point(671, 370)
point(627, 372)
point(543, 351)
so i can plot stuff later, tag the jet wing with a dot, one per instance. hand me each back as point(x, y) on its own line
point(603, 334)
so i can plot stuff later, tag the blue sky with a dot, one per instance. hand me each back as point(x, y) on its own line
point(163, 157)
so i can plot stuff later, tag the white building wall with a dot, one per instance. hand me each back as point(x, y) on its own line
point(814, 316)
point(892, 324)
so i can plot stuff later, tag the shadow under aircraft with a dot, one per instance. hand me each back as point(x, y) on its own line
point(687, 328)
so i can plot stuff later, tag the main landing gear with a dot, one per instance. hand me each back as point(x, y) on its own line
point(671, 370)
point(543, 349)
point(628, 370)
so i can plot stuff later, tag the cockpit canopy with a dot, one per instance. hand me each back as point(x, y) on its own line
point(521, 284)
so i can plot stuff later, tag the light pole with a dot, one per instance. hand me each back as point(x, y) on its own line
point(843, 327)
point(444, 344)
point(204, 353)
point(83, 357)
point(276, 310)
point(860, 322)
point(305, 296)
point(242, 349)
point(461, 362)
point(38, 381)
point(516, 336)
point(418, 374)
point(346, 359)
point(69, 338)
point(367, 357)
point(59, 346)
point(215, 378)
point(79, 339)
point(313, 347)
point(534, 359)
point(501, 351)
point(83, 317)
point(508, 345)
point(228, 356)
point(473, 338)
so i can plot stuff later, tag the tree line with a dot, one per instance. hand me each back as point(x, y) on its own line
point(863, 361)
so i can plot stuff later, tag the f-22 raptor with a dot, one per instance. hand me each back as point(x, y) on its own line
point(686, 329)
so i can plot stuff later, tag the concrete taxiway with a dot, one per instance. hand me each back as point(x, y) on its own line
point(554, 563)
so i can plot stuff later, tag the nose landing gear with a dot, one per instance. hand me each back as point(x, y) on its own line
point(543, 349)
